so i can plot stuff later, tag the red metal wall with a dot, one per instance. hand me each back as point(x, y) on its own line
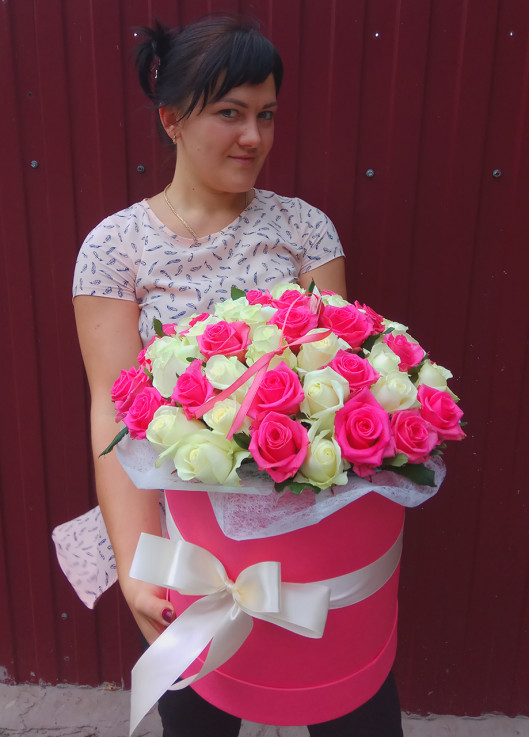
point(431, 95)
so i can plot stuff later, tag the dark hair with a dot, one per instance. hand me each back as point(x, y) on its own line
point(201, 62)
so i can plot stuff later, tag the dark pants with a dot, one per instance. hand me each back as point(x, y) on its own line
point(185, 714)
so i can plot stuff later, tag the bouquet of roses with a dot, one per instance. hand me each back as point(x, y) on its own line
point(306, 386)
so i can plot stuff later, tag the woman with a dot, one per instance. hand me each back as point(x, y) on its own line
point(215, 85)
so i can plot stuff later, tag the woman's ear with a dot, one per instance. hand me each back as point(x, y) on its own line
point(170, 122)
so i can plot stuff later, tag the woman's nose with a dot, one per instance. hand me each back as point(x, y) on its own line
point(250, 134)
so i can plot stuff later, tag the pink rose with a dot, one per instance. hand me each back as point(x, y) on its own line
point(141, 356)
point(169, 329)
point(141, 411)
point(413, 435)
point(278, 445)
point(348, 323)
point(125, 388)
point(200, 318)
point(362, 430)
point(291, 296)
point(375, 318)
point(298, 321)
point(192, 389)
point(257, 297)
point(225, 339)
point(279, 391)
point(356, 370)
point(440, 409)
point(142, 360)
point(411, 354)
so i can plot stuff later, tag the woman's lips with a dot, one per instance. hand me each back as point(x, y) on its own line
point(244, 160)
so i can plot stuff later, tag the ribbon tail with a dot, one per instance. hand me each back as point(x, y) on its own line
point(251, 370)
point(226, 642)
point(242, 412)
point(174, 651)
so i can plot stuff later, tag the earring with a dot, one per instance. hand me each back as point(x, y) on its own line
point(174, 140)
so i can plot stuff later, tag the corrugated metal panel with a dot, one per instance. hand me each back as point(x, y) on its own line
point(431, 96)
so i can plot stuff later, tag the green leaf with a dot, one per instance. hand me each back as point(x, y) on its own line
point(369, 342)
point(399, 460)
point(158, 327)
point(122, 433)
point(388, 330)
point(311, 287)
point(417, 473)
point(295, 486)
point(414, 371)
point(236, 293)
point(242, 440)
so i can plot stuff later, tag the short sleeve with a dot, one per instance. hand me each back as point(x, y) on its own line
point(105, 265)
point(321, 241)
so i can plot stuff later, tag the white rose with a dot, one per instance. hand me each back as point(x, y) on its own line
point(397, 326)
point(191, 342)
point(287, 357)
point(395, 391)
point(325, 393)
point(313, 356)
point(222, 415)
point(323, 465)
point(266, 338)
point(334, 300)
point(383, 359)
point(263, 317)
point(208, 457)
point(222, 371)
point(435, 376)
point(241, 311)
point(168, 356)
point(169, 426)
point(279, 289)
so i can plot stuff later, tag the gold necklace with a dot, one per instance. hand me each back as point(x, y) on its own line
point(184, 223)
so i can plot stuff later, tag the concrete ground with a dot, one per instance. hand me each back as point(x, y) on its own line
point(67, 711)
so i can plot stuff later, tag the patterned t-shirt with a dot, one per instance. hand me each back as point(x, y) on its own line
point(132, 255)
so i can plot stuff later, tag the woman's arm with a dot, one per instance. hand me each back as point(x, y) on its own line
point(109, 340)
point(329, 276)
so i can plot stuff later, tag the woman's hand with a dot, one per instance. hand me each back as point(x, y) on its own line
point(149, 607)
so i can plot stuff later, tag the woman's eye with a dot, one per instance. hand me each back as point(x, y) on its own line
point(266, 115)
point(228, 113)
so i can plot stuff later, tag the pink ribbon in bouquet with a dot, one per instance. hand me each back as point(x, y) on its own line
point(260, 367)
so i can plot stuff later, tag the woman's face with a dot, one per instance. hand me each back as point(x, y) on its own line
point(224, 146)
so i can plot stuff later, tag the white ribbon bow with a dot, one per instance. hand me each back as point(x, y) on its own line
point(223, 617)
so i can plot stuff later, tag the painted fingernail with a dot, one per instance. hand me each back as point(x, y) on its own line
point(167, 614)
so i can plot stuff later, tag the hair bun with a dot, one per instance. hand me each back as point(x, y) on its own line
point(161, 37)
point(150, 53)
